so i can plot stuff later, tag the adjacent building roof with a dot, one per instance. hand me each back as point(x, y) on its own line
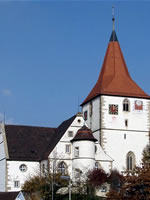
point(29, 143)
point(114, 78)
point(8, 195)
point(60, 132)
point(84, 133)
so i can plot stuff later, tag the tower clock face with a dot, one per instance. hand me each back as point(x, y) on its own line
point(138, 105)
point(113, 109)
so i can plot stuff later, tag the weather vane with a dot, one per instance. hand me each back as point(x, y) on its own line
point(113, 18)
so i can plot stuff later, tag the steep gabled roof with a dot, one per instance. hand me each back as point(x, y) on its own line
point(114, 78)
point(30, 143)
point(60, 132)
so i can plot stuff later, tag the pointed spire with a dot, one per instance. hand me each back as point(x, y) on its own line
point(114, 78)
point(113, 37)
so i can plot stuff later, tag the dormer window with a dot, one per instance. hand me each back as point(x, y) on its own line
point(126, 105)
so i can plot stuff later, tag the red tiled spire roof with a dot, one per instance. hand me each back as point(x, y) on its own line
point(114, 78)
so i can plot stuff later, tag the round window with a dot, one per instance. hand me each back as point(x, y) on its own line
point(79, 120)
point(23, 168)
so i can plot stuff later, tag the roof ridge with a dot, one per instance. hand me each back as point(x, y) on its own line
point(32, 126)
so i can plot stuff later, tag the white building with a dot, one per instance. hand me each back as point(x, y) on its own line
point(27, 151)
point(117, 110)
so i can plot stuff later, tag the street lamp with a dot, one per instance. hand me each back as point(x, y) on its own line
point(69, 179)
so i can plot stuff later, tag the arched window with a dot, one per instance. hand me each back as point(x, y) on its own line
point(126, 105)
point(130, 161)
point(62, 168)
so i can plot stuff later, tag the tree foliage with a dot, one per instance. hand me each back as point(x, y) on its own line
point(97, 177)
point(116, 180)
point(38, 187)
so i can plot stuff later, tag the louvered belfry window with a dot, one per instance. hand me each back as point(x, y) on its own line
point(126, 105)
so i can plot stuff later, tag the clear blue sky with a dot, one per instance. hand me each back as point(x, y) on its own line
point(51, 54)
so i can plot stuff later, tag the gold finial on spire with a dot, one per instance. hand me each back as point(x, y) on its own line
point(113, 18)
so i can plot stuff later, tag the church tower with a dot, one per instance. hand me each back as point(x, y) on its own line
point(117, 110)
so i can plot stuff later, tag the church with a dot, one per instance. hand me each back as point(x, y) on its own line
point(110, 132)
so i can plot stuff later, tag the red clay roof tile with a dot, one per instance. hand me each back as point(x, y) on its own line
point(114, 78)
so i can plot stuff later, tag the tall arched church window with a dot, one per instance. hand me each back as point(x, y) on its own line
point(126, 105)
point(62, 169)
point(130, 161)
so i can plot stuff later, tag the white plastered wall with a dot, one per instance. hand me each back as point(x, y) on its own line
point(59, 153)
point(86, 159)
point(93, 119)
point(119, 139)
point(14, 173)
point(117, 146)
point(3, 157)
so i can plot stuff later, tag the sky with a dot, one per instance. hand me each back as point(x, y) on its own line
point(51, 53)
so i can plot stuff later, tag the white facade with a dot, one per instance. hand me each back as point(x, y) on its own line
point(118, 134)
point(12, 177)
point(17, 177)
point(62, 159)
point(93, 120)
point(87, 154)
point(3, 157)
point(83, 159)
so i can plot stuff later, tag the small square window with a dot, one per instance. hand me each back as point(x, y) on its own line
point(68, 148)
point(16, 184)
point(70, 133)
point(124, 136)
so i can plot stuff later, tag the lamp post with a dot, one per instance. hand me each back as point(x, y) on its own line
point(69, 179)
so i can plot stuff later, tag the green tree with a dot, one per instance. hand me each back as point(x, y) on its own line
point(38, 187)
